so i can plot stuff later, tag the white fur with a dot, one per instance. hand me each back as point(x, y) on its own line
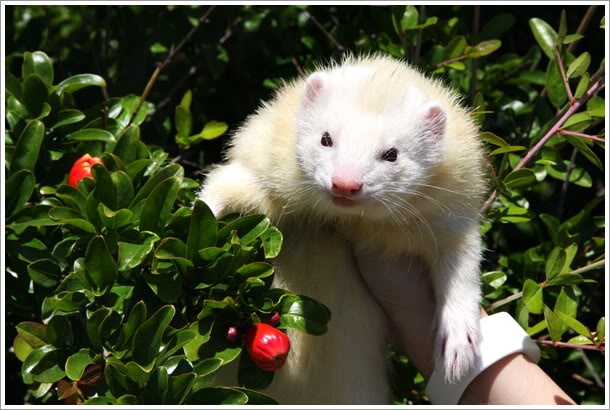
point(425, 203)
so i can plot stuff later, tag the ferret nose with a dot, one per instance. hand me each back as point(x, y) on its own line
point(345, 186)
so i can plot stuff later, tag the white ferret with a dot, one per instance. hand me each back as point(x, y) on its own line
point(364, 156)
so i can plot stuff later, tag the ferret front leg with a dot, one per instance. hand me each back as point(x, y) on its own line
point(457, 288)
point(232, 188)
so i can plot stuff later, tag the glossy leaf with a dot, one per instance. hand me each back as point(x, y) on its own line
point(132, 254)
point(79, 81)
point(158, 205)
point(38, 63)
point(19, 189)
point(21, 348)
point(217, 395)
point(164, 174)
point(76, 363)
point(555, 263)
point(202, 229)
point(28, 147)
point(579, 66)
point(553, 323)
point(34, 334)
point(43, 366)
point(544, 34)
point(90, 134)
point(100, 265)
point(555, 85)
point(532, 296)
point(272, 242)
point(566, 303)
point(575, 324)
point(520, 178)
point(147, 339)
point(71, 217)
point(303, 313)
point(44, 272)
point(179, 387)
point(35, 95)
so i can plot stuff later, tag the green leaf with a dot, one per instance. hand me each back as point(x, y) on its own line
point(26, 152)
point(167, 287)
point(67, 117)
point(545, 36)
point(596, 107)
point(563, 27)
point(156, 389)
point(555, 86)
point(504, 150)
point(79, 81)
point(553, 323)
point(202, 330)
point(59, 331)
point(410, 18)
point(248, 227)
point(21, 348)
point(552, 225)
point(493, 139)
point(303, 313)
point(132, 255)
point(580, 340)
point(38, 63)
point(520, 178)
point(76, 363)
point(136, 318)
point(601, 328)
point(72, 217)
point(555, 263)
point(566, 303)
point(90, 134)
point(207, 366)
point(570, 38)
point(158, 205)
point(13, 86)
point(179, 387)
point(217, 395)
point(532, 296)
point(100, 265)
point(35, 95)
point(483, 48)
point(272, 242)
point(566, 279)
point(579, 66)
point(167, 172)
point(19, 189)
point(114, 220)
point(255, 270)
point(455, 47)
point(34, 334)
point(202, 229)
point(575, 325)
point(257, 398)
point(514, 214)
point(147, 339)
point(170, 248)
point(44, 272)
point(584, 149)
point(177, 342)
point(43, 366)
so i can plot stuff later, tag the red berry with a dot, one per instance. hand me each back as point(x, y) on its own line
point(267, 346)
point(274, 319)
point(232, 334)
point(82, 169)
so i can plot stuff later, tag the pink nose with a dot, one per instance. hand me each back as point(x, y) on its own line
point(345, 186)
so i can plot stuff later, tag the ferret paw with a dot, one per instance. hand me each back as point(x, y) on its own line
point(457, 346)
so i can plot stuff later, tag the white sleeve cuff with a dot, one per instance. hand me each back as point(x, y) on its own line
point(501, 336)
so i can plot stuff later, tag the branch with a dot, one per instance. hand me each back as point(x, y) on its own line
point(517, 295)
point(173, 51)
point(593, 88)
point(581, 135)
point(451, 60)
point(325, 32)
point(601, 348)
point(564, 77)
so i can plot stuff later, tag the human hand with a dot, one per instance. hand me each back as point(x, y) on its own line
point(404, 292)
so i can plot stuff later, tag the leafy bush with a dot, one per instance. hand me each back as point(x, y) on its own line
point(100, 277)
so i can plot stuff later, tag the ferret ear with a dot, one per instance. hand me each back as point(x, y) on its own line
point(435, 119)
point(314, 86)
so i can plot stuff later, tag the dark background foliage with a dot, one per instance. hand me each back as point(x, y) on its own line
point(240, 54)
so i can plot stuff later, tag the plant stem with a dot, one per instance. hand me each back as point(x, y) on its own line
point(517, 295)
point(451, 60)
point(601, 348)
point(173, 51)
point(581, 135)
point(593, 88)
point(566, 82)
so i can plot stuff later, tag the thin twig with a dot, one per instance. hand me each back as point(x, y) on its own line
point(325, 32)
point(564, 77)
point(298, 67)
point(584, 23)
point(173, 51)
point(587, 362)
point(601, 348)
point(564, 187)
point(451, 60)
point(420, 33)
point(593, 89)
point(517, 295)
point(581, 135)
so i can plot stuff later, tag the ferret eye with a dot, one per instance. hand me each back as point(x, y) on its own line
point(390, 155)
point(326, 140)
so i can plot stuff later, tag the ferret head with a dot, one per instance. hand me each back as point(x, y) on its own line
point(366, 145)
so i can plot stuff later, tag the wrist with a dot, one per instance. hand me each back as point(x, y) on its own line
point(502, 336)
